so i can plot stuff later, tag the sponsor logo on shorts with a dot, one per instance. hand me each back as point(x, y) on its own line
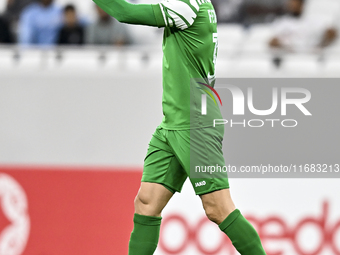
point(199, 184)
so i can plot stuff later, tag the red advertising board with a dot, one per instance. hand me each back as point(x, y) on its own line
point(53, 211)
point(87, 211)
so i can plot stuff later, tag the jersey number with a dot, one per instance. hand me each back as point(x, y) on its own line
point(215, 41)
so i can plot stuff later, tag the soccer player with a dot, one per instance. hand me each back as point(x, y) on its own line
point(185, 135)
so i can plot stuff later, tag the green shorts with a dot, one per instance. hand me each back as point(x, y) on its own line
point(173, 155)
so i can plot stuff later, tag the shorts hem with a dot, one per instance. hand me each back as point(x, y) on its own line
point(211, 190)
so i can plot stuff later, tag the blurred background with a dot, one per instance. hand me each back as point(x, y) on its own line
point(80, 96)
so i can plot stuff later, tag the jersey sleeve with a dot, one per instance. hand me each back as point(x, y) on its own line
point(139, 14)
point(179, 14)
point(170, 13)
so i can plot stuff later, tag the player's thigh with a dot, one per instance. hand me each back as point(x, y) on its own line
point(160, 164)
point(151, 199)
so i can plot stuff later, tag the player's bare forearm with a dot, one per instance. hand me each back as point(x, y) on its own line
point(139, 14)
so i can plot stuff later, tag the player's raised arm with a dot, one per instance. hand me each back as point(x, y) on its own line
point(168, 13)
point(139, 14)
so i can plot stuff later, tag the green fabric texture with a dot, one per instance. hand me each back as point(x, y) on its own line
point(139, 14)
point(145, 235)
point(190, 46)
point(158, 15)
point(173, 154)
point(189, 54)
point(242, 234)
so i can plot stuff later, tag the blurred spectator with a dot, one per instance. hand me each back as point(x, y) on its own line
point(297, 33)
point(72, 31)
point(5, 33)
point(15, 7)
point(107, 30)
point(228, 10)
point(260, 11)
point(39, 23)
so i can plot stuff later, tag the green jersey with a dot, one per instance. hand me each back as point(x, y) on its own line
point(190, 49)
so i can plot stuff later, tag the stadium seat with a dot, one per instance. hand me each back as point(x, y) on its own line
point(259, 33)
point(257, 39)
point(125, 59)
point(29, 59)
point(230, 33)
point(326, 8)
point(246, 66)
point(134, 59)
point(112, 59)
point(155, 61)
point(261, 65)
point(7, 59)
point(332, 67)
point(230, 39)
point(223, 67)
point(255, 48)
point(228, 49)
point(301, 65)
point(333, 49)
point(74, 59)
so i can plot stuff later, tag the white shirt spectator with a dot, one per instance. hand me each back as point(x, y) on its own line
point(300, 34)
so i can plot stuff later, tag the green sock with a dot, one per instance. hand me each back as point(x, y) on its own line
point(242, 234)
point(145, 235)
